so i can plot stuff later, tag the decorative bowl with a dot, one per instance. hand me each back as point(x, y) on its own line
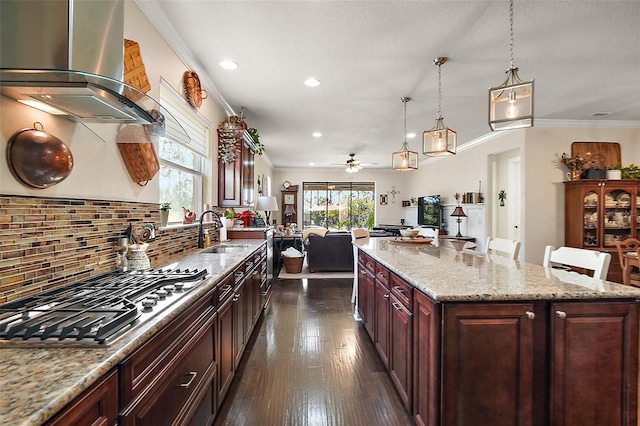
point(409, 233)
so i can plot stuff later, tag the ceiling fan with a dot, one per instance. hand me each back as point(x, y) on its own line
point(353, 165)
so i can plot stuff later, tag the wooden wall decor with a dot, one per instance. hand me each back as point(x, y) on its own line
point(135, 73)
point(193, 92)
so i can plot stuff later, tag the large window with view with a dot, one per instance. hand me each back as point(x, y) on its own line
point(182, 163)
point(338, 205)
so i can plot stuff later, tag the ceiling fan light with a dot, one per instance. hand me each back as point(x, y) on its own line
point(439, 140)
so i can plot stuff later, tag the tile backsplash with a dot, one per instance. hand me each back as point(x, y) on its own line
point(49, 242)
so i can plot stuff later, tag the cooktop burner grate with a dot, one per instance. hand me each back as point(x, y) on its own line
point(94, 310)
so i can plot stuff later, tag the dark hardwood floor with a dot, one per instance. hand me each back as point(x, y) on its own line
point(310, 363)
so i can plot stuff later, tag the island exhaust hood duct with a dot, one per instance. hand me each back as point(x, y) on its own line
point(69, 55)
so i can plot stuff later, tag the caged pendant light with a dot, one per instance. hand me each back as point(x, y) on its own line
point(405, 159)
point(439, 140)
point(511, 104)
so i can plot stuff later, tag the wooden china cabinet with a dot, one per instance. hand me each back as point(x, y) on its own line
point(598, 213)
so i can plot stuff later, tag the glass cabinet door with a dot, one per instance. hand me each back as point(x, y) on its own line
point(618, 215)
point(591, 234)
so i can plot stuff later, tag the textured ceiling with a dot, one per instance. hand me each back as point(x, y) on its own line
point(583, 55)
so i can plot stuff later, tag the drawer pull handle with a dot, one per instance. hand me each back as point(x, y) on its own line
point(386, 296)
point(225, 288)
point(561, 314)
point(530, 315)
point(193, 375)
point(399, 289)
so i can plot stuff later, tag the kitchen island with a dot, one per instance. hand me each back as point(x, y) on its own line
point(474, 339)
point(37, 381)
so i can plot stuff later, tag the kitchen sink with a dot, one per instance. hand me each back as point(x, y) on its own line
point(227, 248)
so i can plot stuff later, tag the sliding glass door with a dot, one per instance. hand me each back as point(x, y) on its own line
point(338, 205)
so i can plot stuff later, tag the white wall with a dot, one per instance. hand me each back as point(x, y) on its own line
point(542, 187)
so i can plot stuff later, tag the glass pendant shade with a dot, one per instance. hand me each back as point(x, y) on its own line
point(405, 159)
point(439, 140)
point(511, 104)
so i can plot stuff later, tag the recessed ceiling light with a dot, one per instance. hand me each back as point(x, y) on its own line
point(312, 164)
point(312, 82)
point(411, 135)
point(599, 114)
point(228, 65)
point(316, 134)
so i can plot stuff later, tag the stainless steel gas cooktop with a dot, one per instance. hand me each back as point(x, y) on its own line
point(95, 311)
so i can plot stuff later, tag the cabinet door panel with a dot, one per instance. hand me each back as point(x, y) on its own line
point(382, 321)
point(401, 356)
point(426, 356)
point(487, 365)
point(594, 363)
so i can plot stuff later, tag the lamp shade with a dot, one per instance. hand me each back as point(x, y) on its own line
point(289, 209)
point(458, 212)
point(267, 204)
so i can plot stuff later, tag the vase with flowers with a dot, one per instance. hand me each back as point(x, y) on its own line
point(574, 164)
point(164, 214)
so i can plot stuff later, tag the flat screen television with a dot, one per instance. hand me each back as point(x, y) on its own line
point(429, 211)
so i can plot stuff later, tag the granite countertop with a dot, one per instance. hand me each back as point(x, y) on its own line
point(36, 383)
point(445, 273)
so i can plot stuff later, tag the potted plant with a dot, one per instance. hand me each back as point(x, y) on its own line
point(630, 172)
point(230, 216)
point(259, 146)
point(574, 164)
point(164, 214)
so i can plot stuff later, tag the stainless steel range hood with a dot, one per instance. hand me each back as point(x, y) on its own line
point(68, 54)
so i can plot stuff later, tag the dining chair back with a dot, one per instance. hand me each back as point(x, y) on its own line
point(503, 246)
point(595, 261)
point(356, 234)
point(429, 233)
point(629, 260)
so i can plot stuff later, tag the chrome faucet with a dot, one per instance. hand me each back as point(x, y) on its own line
point(200, 234)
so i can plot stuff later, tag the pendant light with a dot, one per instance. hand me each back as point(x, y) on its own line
point(511, 104)
point(439, 140)
point(405, 159)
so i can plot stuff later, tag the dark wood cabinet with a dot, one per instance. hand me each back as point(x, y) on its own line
point(235, 179)
point(366, 292)
point(226, 358)
point(594, 371)
point(98, 405)
point(598, 213)
point(382, 321)
point(161, 381)
point(487, 370)
point(502, 361)
point(400, 336)
point(426, 353)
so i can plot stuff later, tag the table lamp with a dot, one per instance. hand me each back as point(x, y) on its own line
point(459, 214)
point(268, 205)
point(288, 211)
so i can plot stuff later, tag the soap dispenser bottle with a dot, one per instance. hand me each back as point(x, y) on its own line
point(207, 238)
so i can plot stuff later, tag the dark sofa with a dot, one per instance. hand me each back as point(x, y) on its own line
point(333, 252)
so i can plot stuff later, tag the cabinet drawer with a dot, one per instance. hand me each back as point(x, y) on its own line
point(382, 273)
point(154, 359)
point(367, 262)
point(403, 291)
point(97, 405)
point(163, 403)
